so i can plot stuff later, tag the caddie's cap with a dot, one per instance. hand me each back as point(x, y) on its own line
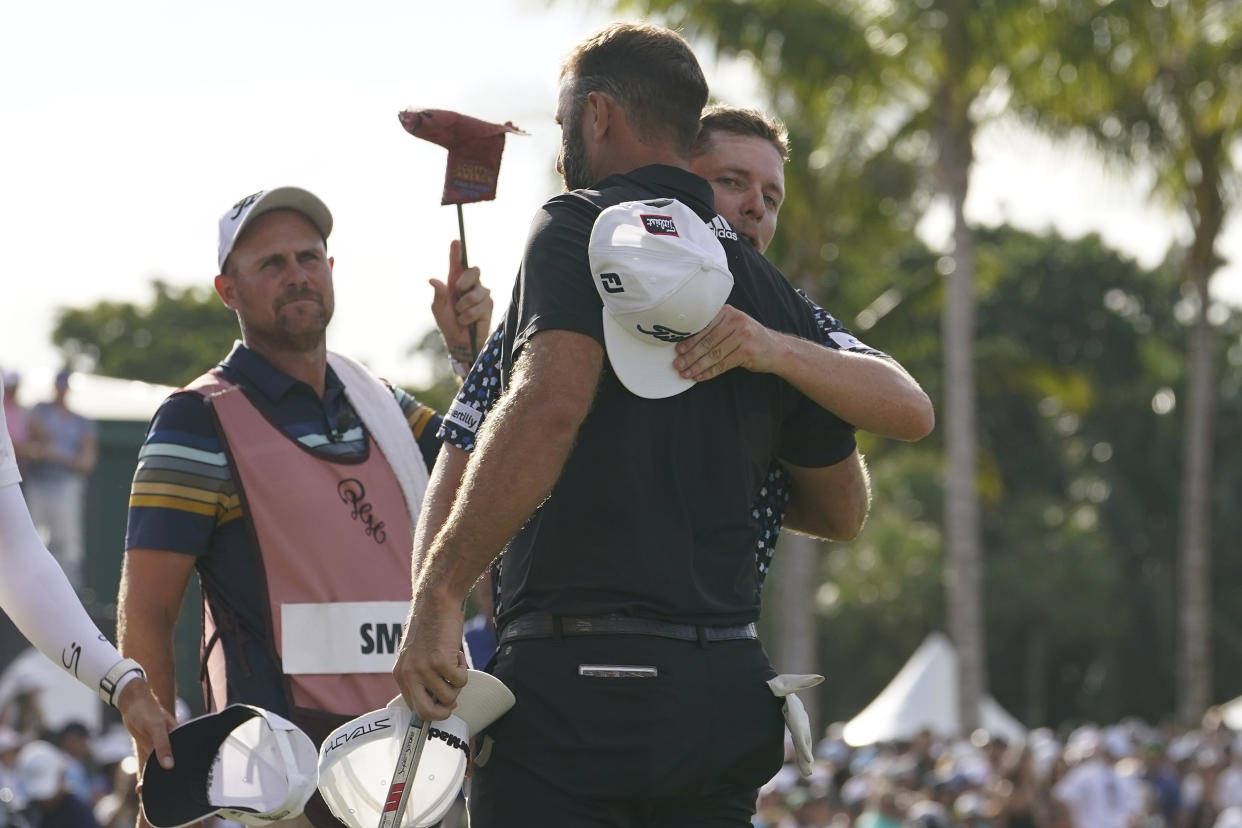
point(244, 763)
point(239, 216)
point(663, 276)
point(357, 760)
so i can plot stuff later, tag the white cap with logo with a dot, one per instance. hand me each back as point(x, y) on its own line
point(663, 276)
point(357, 760)
point(243, 763)
point(239, 216)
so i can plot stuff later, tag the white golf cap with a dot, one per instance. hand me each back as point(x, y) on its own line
point(40, 770)
point(662, 275)
point(239, 216)
point(244, 763)
point(357, 760)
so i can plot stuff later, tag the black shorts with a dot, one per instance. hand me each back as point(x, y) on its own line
point(687, 747)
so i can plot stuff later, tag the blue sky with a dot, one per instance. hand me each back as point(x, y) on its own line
point(130, 126)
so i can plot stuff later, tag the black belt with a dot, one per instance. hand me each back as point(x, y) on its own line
point(544, 625)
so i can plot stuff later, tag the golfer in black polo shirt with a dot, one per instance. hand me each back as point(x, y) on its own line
point(624, 492)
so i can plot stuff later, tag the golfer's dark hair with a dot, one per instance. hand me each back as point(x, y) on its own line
point(738, 121)
point(650, 71)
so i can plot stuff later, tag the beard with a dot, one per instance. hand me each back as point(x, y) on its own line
point(294, 330)
point(304, 329)
point(575, 165)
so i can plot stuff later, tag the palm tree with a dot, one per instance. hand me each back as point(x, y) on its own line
point(915, 68)
point(1157, 84)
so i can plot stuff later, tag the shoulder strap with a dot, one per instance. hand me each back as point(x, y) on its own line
point(209, 384)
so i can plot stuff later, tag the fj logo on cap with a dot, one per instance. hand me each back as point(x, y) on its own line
point(612, 282)
point(659, 225)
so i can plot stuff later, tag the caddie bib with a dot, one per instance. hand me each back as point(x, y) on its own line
point(333, 538)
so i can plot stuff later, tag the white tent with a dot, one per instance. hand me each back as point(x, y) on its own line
point(1231, 712)
point(97, 397)
point(923, 695)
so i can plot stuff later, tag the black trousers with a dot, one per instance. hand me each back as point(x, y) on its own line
point(685, 748)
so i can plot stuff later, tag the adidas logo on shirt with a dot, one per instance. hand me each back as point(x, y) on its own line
point(722, 229)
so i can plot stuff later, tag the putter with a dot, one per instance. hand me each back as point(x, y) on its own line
point(407, 762)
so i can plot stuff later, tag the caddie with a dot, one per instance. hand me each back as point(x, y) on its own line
point(289, 478)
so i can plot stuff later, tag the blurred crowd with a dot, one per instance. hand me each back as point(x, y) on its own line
point(69, 778)
point(1126, 775)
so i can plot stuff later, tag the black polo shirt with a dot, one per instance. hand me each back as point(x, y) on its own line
point(652, 515)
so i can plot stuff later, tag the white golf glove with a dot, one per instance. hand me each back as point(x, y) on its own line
point(785, 687)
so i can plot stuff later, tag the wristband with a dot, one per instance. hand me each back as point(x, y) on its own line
point(121, 674)
point(460, 368)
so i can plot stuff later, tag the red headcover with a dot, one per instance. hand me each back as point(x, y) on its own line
point(474, 150)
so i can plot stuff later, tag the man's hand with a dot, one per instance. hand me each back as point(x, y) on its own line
point(431, 667)
point(458, 303)
point(147, 722)
point(731, 340)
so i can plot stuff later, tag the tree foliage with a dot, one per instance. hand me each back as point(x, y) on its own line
point(1158, 86)
point(1080, 374)
point(913, 78)
point(898, 87)
point(169, 340)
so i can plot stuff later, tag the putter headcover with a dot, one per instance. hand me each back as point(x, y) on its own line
point(244, 763)
point(357, 760)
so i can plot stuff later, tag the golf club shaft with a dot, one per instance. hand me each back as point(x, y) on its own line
point(403, 773)
point(474, 326)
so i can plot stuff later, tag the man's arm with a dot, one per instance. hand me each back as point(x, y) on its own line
point(442, 487)
point(36, 595)
point(152, 587)
point(88, 453)
point(829, 502)
point(521, 453)
point(868, 392)
point(477, 396)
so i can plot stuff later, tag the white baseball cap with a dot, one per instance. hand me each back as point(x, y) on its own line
point(357, 760)
point(239, 216)
point(663, 276)
point(40, 769)
point(244, 763)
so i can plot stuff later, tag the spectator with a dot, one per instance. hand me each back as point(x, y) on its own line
point(82, 778)
point(882, 810)
point(15, 417)
point(41, 771)
point(64, 446)
point(12, 800)
point(22, 712)
point(1019, 789)
point(119, 807)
